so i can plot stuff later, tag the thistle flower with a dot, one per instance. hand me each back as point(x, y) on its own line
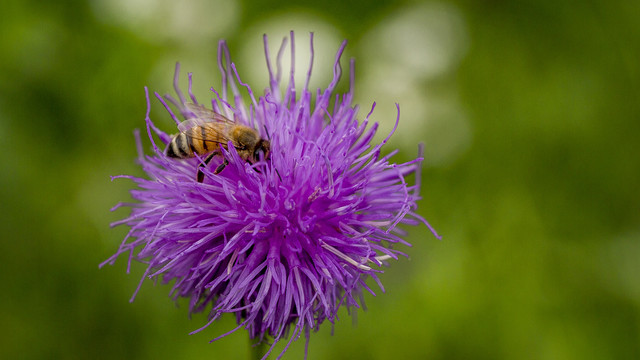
point(282, 242)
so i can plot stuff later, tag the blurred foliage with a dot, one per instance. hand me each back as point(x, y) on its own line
point(540, 215)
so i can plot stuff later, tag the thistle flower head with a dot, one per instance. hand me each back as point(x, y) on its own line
point(281, 242)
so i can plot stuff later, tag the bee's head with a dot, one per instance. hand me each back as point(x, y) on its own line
point(264, 147)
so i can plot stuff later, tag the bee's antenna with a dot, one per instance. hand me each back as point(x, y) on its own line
point(267, 132)
point(278, 173)
point(269, 138)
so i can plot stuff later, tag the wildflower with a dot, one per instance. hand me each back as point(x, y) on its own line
point(282, 242)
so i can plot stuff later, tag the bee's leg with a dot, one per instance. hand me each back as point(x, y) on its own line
point(255, 169)
point(221, 167)
point(206, 161)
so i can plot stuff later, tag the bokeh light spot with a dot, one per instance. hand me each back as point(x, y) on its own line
point(186, 22)
point(409, 59)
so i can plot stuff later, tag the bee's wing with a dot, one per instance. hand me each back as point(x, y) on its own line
point(198, 115)
point(190, 123)
point(214, 133)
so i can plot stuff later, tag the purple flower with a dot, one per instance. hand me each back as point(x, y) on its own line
point(280, 242)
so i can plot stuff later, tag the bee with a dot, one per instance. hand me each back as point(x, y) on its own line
point(207, 132)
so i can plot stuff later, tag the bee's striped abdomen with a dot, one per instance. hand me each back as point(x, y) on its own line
point(197, 140)
point(196, 137)
point(180, 146)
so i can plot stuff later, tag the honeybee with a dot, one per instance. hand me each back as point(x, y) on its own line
point(207, 132)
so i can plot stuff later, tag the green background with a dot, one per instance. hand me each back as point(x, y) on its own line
point(539, 209)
